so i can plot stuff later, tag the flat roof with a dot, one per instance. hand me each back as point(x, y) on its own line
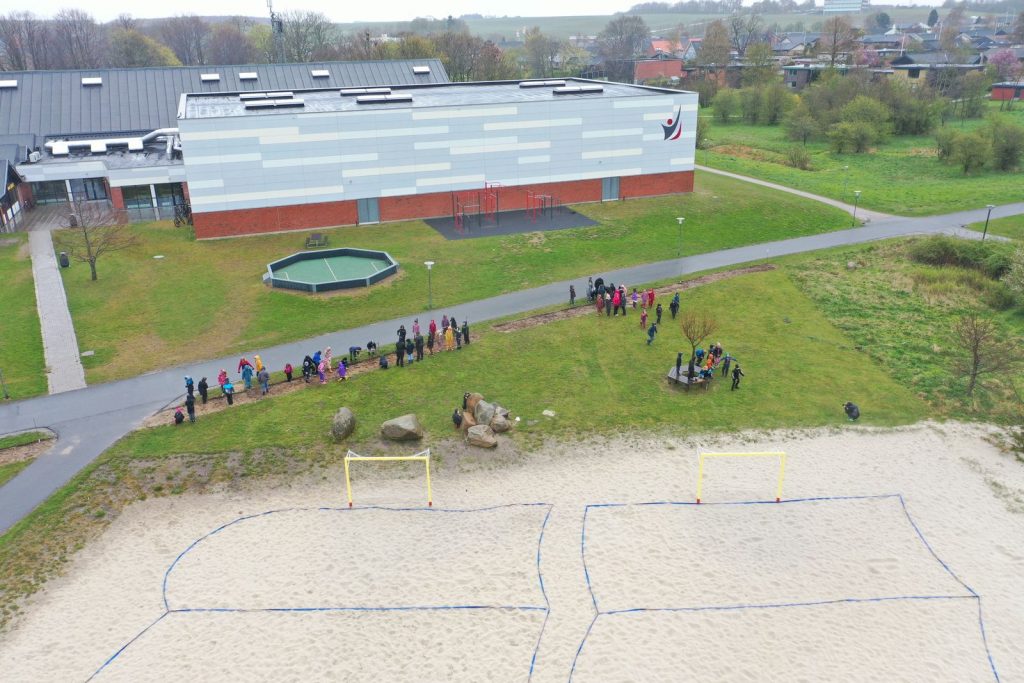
point(222, 105)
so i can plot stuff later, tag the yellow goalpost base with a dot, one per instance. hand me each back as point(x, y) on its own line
point(767, 454)
point(423, 456)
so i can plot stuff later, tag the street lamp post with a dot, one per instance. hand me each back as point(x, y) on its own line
point(430, 289)
point(679, 244)
point(989, 207)
point(856, 199)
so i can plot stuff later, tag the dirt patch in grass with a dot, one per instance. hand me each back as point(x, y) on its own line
point(752, 153)
point(26, 452)
point(565, 313)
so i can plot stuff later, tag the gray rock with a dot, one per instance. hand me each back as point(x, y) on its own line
point(500, 423)
point(404, 428)
point(472, 400)
point(483, 413)
point(499, 410)
point(482, 436)
point(343, 424)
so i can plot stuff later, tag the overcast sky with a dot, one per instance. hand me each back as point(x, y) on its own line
point(394, 10)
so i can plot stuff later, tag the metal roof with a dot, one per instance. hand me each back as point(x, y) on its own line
point(201, 106)
point(55, 103)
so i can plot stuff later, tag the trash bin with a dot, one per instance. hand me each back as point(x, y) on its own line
point(64, 262)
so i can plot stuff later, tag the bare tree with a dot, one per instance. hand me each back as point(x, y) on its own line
point(619, 43)
point(25, 42)
point(126, 22)
point(984, 349)
point(230, 45)
point(94, 229)
point(836, 37)
point(742, 30)
point(307, 35)
point(543, 51)
point(81, 41)
point(187, 36)
point(697, 326)
point(458, 52)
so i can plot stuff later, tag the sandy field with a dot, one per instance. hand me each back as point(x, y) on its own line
point(895, 555)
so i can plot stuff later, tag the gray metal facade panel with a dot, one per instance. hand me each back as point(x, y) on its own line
point(287, 159)
point(56, 102)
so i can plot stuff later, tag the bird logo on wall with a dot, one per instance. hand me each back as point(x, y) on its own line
point(673, 128)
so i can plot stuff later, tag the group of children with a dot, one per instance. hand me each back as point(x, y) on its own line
point(703, 364)
point(609, 300)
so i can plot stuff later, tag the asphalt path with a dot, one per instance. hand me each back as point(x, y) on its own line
point(88, 421)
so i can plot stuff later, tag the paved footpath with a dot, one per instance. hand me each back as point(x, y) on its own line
point(89, 420)
point(64, 370)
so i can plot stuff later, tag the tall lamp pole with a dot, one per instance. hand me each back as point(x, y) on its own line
point(430, 289)
point(679, 244)
point(989, 207)
point(856, 199)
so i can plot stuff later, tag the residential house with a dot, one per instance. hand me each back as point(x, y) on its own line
point(1008, 90)
point(656, 69)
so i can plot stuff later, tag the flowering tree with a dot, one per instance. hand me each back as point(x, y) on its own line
point(1006, 65)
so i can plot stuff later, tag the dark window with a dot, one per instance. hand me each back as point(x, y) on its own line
point(137, 197)
point(169, 194)
point(913, 73)
point(49, 192)
point(89, 188)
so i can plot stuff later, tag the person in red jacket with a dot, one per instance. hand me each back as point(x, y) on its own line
point(242, 363)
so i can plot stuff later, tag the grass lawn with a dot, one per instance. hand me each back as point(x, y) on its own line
point(1012, 227)
point(597, 374)
point(10, 470)
point(206, 299)
point(903, 176)
point(21, 342)
point(23, 439)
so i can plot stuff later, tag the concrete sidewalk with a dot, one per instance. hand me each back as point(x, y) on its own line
point(861, 212)
point(64, 370)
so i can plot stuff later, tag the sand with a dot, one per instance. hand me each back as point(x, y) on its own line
point(881, 581)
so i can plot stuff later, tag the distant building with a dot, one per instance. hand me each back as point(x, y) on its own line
point(845, 6)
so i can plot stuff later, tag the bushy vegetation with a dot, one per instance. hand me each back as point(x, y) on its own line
point(991, 258)
point(998, 145)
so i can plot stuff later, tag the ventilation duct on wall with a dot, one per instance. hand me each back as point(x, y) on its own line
point(137, 144)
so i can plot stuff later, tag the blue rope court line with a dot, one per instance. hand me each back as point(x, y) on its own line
point(598, 613)
point(546, 607)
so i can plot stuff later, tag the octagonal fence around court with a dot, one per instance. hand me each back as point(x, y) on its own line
point(824, 589)
point(350, 594)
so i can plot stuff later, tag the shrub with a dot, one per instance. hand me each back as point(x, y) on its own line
point(726, 103)
point(994, 259)
point(850, 137)
point(775, 102)
point(999, 297)
point(1014, 277)
point(945, 142)
point(750, 104)
point(971, 152)
point(702, 132)
point(797, 157)
point(799, 123)
point(871, 113)
point(1007, 141)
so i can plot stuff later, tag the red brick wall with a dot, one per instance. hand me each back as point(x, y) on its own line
point(117, 197)
point(656, 184)
point(274, 219)
point(435, 204)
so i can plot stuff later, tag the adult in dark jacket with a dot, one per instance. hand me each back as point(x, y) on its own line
point(190, 406)
point(852, 411)
point(465, 331)
point(203, 388)
point(736, 374)
point(418, 341)
point(308, 368)
point(400, 353)
point(410, 347)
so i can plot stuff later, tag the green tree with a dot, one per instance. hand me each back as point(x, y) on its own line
point(751, 104)
point(725, 104)
point(971, 152)
point(714, 49)
point(850, 136)
point(799, 124)
point(933, 17)
point(1007, 141)
point(776, 100)
point(871, 113)
point(129, 48)
point(759, 64)
point(542, 51)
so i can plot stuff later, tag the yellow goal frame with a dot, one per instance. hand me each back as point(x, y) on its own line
point(423, 456)
point(767, 454)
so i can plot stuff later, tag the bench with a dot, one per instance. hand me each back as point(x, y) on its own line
point(684, 380)
point(317, 239)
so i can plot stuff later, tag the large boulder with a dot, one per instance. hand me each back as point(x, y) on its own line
point(482, 436)
point(404, 428)
point(483, 412)
point(343, 424)
point(472, 400)
point(500, 423)
point(467, 420)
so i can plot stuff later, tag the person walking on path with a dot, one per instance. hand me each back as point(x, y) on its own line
point(600, 304)
point(400, 353)
point(321, 370)
point(242, 363)
point(458, 335)
point(635, 298)
point(415, 327)
point(572, 295)
point(725, 365)
point(624, 297)
point(449, 339)
point(674, 306)
point(317, 357)
point(616, 301)
point(431, 338)
point(190, 406)
point(418, 342)
point(203, 388)
point(308, 366)
point(189, 387)
point(401, 333)
point(736, 374)
point(607, 304)
point(658, 311)
point(651, 331)
point(264, 379)
point(342, 370)
point(229, 392)
point(247, 376)
point(650, 298)
point(257, 364)
point(222, 377)
point(432, 329)
point(643, 319)
point(288, 371)
point(465, 332)
point(444, 323)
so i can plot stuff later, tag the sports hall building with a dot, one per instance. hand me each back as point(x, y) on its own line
point(268, 148)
